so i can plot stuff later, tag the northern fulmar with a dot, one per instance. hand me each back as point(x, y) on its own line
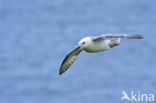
point(94, 44)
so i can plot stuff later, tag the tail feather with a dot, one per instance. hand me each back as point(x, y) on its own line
point(115, 42)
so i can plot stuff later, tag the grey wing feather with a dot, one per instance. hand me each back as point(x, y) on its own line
point(69, 59)
point(130, 36)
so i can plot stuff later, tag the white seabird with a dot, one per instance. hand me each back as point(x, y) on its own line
point(94, 45)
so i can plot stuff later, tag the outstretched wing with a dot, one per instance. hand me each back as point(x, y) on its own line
point(130, 36)
point(69, 59)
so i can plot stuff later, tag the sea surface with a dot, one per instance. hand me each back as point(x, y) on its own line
point(36, 35)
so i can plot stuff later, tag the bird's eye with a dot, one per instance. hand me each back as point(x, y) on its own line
point(83, 43)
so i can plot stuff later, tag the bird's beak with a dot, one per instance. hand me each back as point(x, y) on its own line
point(81, 47)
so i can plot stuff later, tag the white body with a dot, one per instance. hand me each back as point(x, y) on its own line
point(96, 46)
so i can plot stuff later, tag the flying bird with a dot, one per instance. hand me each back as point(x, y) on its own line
point(94, 44)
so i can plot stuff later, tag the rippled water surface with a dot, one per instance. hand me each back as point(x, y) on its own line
point(35, 36)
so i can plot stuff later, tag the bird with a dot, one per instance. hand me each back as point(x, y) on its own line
point(94, 44)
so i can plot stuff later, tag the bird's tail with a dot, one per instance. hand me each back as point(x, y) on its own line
point(115, 42)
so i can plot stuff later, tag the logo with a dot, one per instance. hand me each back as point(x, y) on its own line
point(137, 96)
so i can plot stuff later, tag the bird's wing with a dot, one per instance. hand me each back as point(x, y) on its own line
point(69, 59)
point(130, 36)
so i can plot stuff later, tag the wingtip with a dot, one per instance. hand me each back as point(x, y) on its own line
point(60, 73)
point(140, 37)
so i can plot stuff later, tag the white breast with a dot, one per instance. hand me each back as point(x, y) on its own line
point(98, 46)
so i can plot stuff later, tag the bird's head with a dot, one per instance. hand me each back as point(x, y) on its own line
point(83, 43)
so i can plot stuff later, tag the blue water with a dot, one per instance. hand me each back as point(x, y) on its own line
point(36, 35)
